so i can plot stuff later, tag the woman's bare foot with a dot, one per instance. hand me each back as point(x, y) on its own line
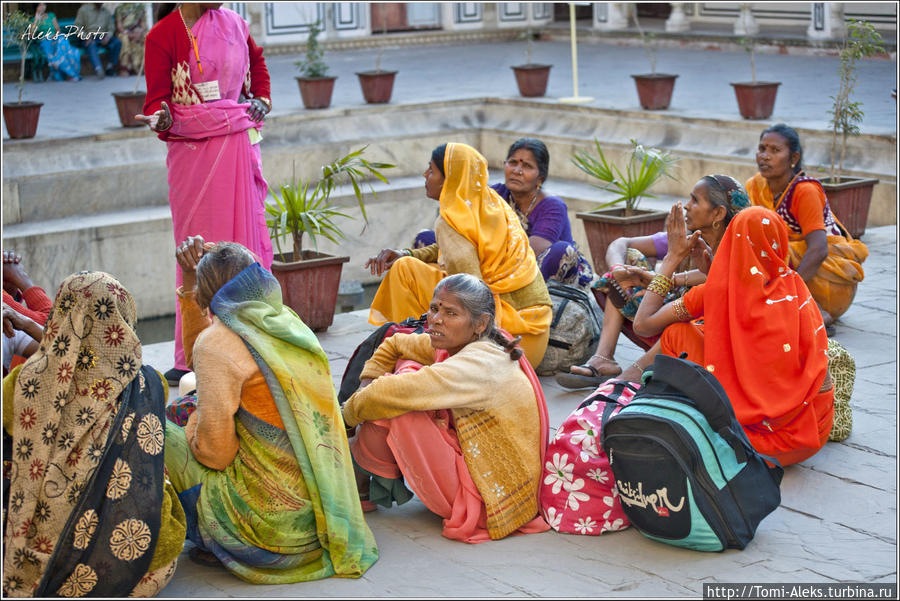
point(632, 373)
point(603, 366)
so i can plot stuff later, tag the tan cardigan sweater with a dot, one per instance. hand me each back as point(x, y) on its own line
point(494, 409)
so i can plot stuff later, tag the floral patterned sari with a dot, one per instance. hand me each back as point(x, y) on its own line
point(86, 482)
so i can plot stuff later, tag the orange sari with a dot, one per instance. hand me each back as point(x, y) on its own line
point(762, 337)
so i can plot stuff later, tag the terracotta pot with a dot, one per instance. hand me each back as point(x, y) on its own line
point(377, 86)
point(605, 225)
point(532, 79)
point(21, 118)
point(756, 100)
point(130, 104)
point(310, 286)
point(316, 91)
point(655, 90)
point(849, 199)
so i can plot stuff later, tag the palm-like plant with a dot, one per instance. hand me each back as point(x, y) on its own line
point(645, 167)
point(302, 208)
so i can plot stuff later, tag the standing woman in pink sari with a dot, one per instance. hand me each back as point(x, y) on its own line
point(207, 97)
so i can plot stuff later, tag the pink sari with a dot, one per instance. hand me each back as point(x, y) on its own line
point(216, 186)
point(423, 447)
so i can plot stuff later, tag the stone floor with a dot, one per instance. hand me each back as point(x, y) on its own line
point(837, 522)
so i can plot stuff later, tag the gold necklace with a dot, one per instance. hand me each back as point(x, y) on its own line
point(531, 206)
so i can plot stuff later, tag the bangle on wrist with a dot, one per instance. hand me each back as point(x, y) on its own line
point(661, 285)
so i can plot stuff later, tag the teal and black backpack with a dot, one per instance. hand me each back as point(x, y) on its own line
point(685, 471)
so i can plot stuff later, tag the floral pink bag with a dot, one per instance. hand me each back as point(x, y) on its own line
point(578, 493)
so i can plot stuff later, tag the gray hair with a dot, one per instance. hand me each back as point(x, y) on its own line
point(478, 300)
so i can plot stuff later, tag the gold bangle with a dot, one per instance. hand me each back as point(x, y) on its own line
point(266, 101)
point(681, 312)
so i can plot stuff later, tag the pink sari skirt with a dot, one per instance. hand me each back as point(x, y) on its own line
point(217, 190)
point(422, 447)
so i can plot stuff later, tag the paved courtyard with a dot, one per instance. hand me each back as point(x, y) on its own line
point(838, 518)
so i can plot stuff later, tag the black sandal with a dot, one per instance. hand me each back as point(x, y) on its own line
point(204, 558)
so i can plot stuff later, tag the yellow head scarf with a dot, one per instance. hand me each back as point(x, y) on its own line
point(475, 211)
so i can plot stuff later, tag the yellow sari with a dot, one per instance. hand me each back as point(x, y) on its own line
point(477, 214)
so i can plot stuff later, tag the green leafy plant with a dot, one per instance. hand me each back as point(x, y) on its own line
point(862, 41)
point(305, 208)
point(645, 167)
point(749, 44)
point(313, 65)
point(18, 30)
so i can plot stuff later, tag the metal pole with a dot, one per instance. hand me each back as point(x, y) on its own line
point(575, 98)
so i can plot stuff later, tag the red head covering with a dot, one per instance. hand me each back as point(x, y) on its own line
point(764, 337)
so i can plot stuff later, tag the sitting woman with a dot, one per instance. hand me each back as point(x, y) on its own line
point(262, 466)
point(477, 233)
point(89, 510)
point(467, 431)
point(821, 250)
point(761, 334)
point(713, 203)
point(545, 218)
point(64, 58)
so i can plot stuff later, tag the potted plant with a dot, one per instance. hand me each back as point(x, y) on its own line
point(850, 197)
point(310, 279)
point(602, 225)
point(131, 103)
point(315, 85)
point(756, 99)
point(654, 89)
point(22, 116)
point(377, 85)
point(531, 78)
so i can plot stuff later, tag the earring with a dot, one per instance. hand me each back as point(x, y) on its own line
point(794, 165)
point(716, 225)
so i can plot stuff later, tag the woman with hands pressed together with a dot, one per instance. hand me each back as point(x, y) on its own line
point(207, 97)
point(477, 233)
point(262, 466)
point(713, 203)
point(761, 334)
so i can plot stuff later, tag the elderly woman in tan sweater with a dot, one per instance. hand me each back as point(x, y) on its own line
point(459, 414)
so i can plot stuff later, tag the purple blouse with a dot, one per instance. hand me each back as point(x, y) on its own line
point(549, 219)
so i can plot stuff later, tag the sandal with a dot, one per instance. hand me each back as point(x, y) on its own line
point(571, 380)
point(367, 505)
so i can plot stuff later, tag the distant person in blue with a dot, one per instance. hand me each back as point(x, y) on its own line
point(63, 58)
point(97, 29)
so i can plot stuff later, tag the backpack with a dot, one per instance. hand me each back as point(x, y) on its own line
point(577, 492)
point(365, 350)
point(574, 331)
point(686, 473)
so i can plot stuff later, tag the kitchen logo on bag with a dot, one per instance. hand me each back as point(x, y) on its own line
point(659, 500)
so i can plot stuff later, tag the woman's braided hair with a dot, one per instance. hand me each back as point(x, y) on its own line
point(477, 299)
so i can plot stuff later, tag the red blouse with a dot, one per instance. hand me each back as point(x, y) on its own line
point(167, 47)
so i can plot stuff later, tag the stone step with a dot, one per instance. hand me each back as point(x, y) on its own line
point(125, 169)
